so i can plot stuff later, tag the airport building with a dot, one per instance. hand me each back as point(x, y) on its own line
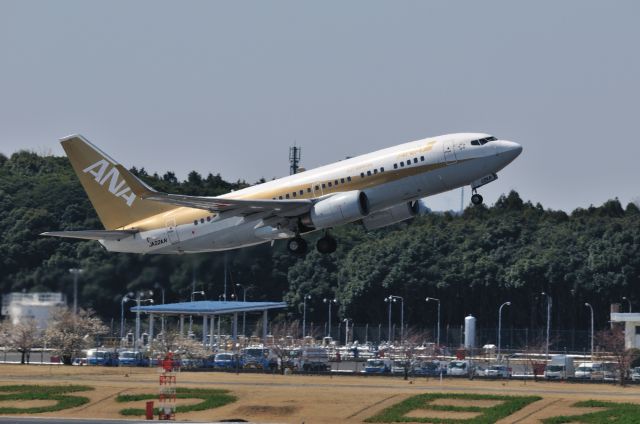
point(631, 327)
point(20, 307)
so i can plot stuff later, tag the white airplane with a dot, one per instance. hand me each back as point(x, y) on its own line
point(376, 189)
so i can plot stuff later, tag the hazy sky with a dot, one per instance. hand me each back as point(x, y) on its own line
point(227, 87)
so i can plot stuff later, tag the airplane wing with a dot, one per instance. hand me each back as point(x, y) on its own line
point(230, 207)
point(92, 234)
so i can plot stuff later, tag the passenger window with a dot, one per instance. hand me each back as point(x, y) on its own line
point(336, 182)
point(195, 222)
point(421, 158)
point(308, 189)
point(382, 169)
point(202, 220)
point(415, 160)
point(329, 183)
point(287, 195)
point(323, 185)
point(402, 164)
point(301, 192)
point(342, 180)
point(280, 197)
point(395, 166)
point(362, 175)
point(348, 178)
point(208, 219)
point(369, 173)
point(375, 171)
point(317, 188)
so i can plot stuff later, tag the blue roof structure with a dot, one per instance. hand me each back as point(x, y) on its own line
point(208, 307)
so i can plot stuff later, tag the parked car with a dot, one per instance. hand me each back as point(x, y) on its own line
point(102, 357)
point(635, 374)
point(429, 368)
point(398, 366)
point(460, 367)
point(258, 357)
point(223, 360)
point(498, 371)
point(377, 366)
point(132, 358)
point(307, 358)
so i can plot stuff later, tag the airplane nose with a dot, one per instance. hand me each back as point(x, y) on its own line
point(510, 149)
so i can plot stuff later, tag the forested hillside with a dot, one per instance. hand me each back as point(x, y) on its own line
point(511, 251)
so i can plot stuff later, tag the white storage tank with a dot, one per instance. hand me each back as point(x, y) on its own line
point(470, 332)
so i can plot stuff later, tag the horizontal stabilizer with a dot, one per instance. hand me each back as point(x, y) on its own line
point(92, 234)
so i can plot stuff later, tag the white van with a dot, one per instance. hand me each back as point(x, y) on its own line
point(560, 367)
point(584, 370)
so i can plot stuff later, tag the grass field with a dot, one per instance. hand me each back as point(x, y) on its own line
point(24, 397)
point(210, 399)
point(268, 398)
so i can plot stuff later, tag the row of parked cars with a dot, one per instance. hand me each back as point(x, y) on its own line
point(435, 368)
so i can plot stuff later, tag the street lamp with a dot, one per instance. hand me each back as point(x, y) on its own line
point(346, 330)
point(330, 302)
point(159, 286)
point(304, 314)
point(500, 324)
point(193, 294)
point(591, 307)
point(75, 272)
point(244, 299)
point(428, 299)
point(628, 301)
point(388, 300)
point(549, 303)
point(127, 297)
point(394, 298)
point(139, 300)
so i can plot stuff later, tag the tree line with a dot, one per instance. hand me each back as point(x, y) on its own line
point(473, 262)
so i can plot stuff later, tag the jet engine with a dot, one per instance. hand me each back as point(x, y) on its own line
point(392, 215)
point(341, 208)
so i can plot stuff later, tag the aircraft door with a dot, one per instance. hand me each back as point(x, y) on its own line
point(449, 153)
point(172, 234)
point(317, 189)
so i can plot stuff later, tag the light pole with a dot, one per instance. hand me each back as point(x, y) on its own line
point(388, 300)
point(436, 300)
point(394, 298)
point(127, 297)
point(75, 272)
point(139, 300)
point(193, 294)
point(346, 330)
point(159, 286)
point(591, 307)
point(304, 314)
point(244, 299)
point(549, 303)
point(330, 302)
point(500, 324)
point(628, 302)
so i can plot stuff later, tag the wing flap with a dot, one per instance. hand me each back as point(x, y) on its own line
point(92, 234)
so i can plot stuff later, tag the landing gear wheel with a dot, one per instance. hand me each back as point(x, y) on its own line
point(326, 244)
point(476, 199)
point(297, 246)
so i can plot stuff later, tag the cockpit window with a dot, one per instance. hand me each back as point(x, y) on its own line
point(482, 141)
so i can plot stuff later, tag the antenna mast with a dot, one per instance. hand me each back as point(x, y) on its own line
point(294, 159)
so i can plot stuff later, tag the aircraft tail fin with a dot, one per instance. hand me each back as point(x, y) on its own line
point(114, 201)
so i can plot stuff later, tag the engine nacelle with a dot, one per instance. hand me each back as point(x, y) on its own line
point(391, 215)
point(341, 208)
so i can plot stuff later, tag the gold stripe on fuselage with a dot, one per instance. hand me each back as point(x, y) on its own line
point(185, 215)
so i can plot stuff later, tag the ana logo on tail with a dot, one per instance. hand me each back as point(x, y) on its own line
point(102, 172)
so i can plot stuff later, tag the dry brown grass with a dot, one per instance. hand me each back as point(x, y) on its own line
point(294, 399)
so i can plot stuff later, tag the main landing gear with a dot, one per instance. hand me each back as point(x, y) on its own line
point(297, 246)
point(326, 244)
point(476, 198)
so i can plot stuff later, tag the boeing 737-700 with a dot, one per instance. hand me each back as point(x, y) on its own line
point(376, 189)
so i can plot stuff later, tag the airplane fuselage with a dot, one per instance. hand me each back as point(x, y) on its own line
point(387, 177)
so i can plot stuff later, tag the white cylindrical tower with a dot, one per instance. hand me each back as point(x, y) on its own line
point(470, 332)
